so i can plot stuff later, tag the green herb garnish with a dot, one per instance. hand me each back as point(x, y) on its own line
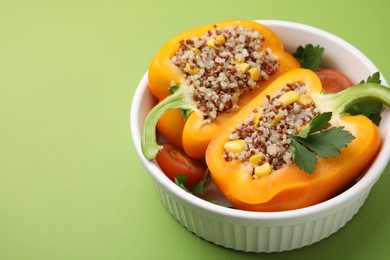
point(198, 189)
point(318, 139)
point(180, 181)
point(310, 56)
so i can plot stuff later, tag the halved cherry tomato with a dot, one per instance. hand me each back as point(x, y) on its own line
point(333, 80)
point(173, 161)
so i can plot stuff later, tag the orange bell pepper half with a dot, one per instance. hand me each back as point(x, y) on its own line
point(290, 187)
point(192, 133)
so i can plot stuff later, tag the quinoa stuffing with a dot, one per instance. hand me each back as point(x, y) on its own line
point(223, 64)
point(261, 140)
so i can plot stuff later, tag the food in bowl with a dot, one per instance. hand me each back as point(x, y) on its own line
point(216, 70)
point(196, 213)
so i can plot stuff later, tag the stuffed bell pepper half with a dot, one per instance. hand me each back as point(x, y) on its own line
point(204, 76)
point(293, 145)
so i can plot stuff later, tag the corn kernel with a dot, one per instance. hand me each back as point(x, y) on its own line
point(276, 120)
point(242, 66)
point(305, 100)
point(210, 42)
point(221, 39)
point(256, 120)
point(196, 50)
point(235, 146)
point(289, 98)
point(213, 43)
point(263, 170)
point(254, 73)
point(256, 159)
point(192, 70)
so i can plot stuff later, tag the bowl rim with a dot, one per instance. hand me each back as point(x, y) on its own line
point(341, 200)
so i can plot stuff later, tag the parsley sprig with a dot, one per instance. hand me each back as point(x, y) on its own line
point(309, 56)
point(198, 189)
point(318, 139)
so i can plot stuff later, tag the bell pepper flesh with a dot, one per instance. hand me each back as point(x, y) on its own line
point(289, 187)
point(193, 135)
point(173, 134)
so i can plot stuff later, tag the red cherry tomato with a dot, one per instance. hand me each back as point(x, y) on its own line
point(333, 80)
point(173, 161)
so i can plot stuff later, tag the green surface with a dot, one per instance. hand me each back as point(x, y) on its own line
point(71, 186)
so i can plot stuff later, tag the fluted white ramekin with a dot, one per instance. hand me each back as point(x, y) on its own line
point(271, 231)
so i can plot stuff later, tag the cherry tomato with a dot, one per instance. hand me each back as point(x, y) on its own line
point(333, 80)
point(173, 161)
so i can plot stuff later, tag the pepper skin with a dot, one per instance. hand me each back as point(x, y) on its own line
point(289, 187)
point(192, 135)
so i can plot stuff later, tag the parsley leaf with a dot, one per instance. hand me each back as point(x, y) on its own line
point(374, 78)
point(370, 108)
point(318, 140)
point(180, 180)
point(318, 123)
point(198, 189)
point(328, 142)
point(303, 157)
point(310, 56)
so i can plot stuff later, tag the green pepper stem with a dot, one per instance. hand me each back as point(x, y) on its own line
point(178, 99)
point(341, 101)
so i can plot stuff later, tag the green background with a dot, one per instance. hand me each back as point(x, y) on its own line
point(71, 185)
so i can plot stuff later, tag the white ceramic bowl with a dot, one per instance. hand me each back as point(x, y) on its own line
point(272, 231)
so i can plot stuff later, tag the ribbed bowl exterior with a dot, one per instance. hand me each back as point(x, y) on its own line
point(259, 237)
